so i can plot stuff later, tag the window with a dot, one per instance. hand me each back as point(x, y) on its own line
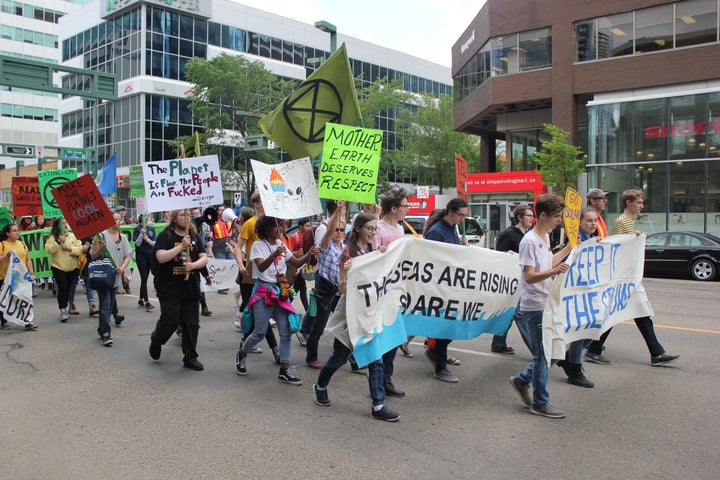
point(535, 49)
point(654, 29)
point(695, 22)
point(615, 35)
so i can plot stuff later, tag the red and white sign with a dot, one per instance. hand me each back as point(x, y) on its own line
point(423, 192)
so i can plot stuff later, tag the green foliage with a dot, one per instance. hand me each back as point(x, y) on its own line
point(558, 161)
point(430, 142)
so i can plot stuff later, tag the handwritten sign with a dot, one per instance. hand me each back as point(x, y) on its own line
point(571, 215)
point(288, 189)
point(350, 163)
point(26, 196)
point(182, 183)
point(137, 185)
point(49, 180)
point(5, 218)
point(83, 206)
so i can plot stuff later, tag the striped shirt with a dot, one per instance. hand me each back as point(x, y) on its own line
point(623, 225)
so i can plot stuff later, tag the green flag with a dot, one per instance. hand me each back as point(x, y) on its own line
point(193, 149)
point(328, 95)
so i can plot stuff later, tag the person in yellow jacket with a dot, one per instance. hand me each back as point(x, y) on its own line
point(10, 242)
point(64, 250)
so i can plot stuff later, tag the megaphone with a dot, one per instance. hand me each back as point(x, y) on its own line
point(228, 215)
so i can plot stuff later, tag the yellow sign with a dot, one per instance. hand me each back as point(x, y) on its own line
point(571, 215)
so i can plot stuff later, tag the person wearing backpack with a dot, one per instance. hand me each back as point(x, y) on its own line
point(144, 237)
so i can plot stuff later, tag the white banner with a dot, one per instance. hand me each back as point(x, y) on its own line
point(288, 190)
point(182, 183)
point(223, 273)
point(16, 300)
point(602, 288)
point(430, 289)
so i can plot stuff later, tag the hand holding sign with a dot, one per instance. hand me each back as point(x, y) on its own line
point(571, 215)
point(83, 207)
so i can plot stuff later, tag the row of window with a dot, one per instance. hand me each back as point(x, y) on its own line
point(664, 27)
point(28, 112)
point(102, 34)
point(504, 55)
point(30, 11)
point(29, 36)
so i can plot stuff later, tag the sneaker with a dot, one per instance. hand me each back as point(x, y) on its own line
point(118, 319)
point(392, 391)
point(206, 313)
point(141, 304)
point(107, 340)
point(505, 350)
point(178, 332)
point(30, 326)
point(659, 360)
point(149, 306)
point(240, 363)
point(72, 310)
point(256, 350)
point(5, 326)
point(92, 309)
point(316, 364)
point(596, 358)
point(287, 375)
point(193, 364)
point(547, 410)
point(238, 325)
point(453, 360)
point(302, 339)
point(405, 351)
point(321, 396)
point(447, 376)
point(273, 323)
point(155, 350)
point(522, 389)
point(224, 291)
point(276, 354)
point(385, 414)
point(64, 316)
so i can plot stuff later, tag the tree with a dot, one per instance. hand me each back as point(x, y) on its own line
point(230, 94)
point(430, 142)
point(559, 162)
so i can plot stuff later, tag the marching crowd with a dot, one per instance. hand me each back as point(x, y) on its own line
point(272, 266)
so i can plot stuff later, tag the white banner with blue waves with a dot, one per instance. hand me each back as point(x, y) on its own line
point(16, 301)
point(429, 289)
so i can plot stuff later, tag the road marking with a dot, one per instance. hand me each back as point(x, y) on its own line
point(685, 329)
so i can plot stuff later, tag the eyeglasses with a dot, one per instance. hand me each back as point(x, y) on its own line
point(403, 206)
point(531, 215)
point(370, 229)
point(339, 229)
point(461, 215)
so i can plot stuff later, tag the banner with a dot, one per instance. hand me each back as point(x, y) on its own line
point(182, 183)
point(287, 189)
point(16, 301)
point(137, 184)
point(571, 215)
point(461, 178)
point(5, 217)
point(106, 180)
point(328, 95)
point(49, 180)
point(26, 196)
point(417, 287)
point(83, 207)
point(602, 288)
point(223, 274)
point(350, 163)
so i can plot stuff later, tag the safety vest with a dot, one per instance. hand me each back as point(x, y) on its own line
point(221, 230)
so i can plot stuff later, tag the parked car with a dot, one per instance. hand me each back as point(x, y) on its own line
point(473, 232)
point(682, 253)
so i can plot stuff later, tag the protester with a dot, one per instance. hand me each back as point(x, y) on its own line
point(443, 230)
point(394, 206)
point(83, 260)
point(203, 230)
point(180, 254)
point(10, 242)
point(114, 245)
point(634, 202)
point(509, 241)
point(295, 243)
point(144, 237)
point(64, 250)
point(222, 231)
point(539, 265)
point(359, 242)
point(26, 224)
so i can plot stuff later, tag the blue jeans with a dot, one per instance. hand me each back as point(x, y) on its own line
point(530, 326)
point(261, 319)
point(107, 300)
point(224, 255)
point(338, 358)
point(574, 353)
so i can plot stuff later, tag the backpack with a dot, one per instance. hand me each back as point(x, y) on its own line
point(308, 242)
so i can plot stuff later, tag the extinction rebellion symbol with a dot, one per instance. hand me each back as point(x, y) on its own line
point(313, 104)
point(52, 184)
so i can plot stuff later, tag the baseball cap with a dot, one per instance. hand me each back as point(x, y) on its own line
point(596, 194)
point(120, 207)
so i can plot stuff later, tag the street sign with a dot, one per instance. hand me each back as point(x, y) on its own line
point(73, 153)
point(423, 192)
point(237, 198)
point(19, 151)
point(38, 151)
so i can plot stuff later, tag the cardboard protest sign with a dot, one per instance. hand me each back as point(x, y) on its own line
point(137, 185)
point(350, 163)
point(418, 288)
point(83, 206)
point(182, 183)
point(49, 180)
point(571, 215)
point(223, 274)
point(602, 288)
point(5, 217)
point(287, 189)
point(26, 196)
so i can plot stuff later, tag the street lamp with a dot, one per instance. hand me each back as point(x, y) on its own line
point(328, 27)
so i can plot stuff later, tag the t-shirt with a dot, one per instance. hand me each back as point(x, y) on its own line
point(535, 252)
point(386, 234)
point(248, 234)
point(263, 249)
point(118, 251)
point(6, 247)
point(623, 225)
point(170, 280)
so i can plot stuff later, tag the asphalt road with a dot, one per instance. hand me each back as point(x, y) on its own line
point(72, 409)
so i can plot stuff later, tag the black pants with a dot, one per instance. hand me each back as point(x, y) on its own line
point(300, 286)
point(143, 264)
point(185, 313)
point(64, 280)
point(647, 330)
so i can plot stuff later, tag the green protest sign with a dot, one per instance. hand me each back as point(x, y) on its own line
point(5, 218)
point(137, 185)
point(350, 163)
point(50, 180)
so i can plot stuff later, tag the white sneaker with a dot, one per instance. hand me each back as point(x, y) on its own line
point(238, 325)
point(273, 323)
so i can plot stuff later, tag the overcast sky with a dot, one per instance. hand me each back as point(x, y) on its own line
point(423, 28)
